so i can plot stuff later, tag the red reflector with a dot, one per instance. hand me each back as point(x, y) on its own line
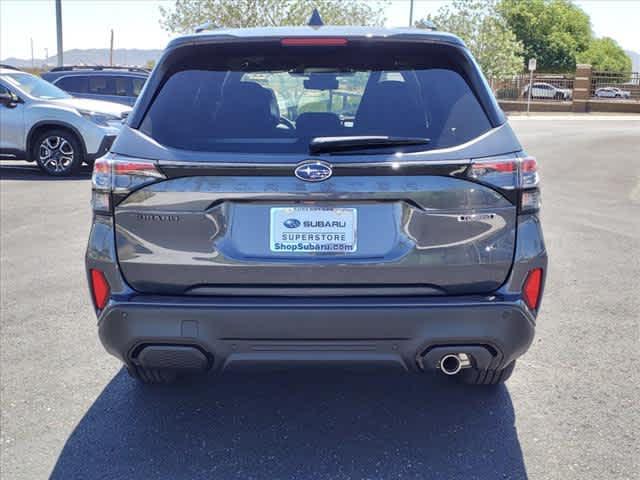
point(100, 288)
point(313, 41)
point(531, 288)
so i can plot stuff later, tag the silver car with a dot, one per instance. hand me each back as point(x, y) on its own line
point(43, 124)
point(612, 92)
point(388, 217)
point(542, 90)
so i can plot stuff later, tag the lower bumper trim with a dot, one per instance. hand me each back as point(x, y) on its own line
point(389, 332)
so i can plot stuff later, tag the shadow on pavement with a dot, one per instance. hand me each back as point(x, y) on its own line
point(30, 171)
point(300, 424)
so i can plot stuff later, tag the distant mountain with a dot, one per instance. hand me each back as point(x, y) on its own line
point(92, 56)
point(635, 60)
point(138, 57)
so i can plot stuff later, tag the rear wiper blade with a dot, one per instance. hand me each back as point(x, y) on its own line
point(342, 144)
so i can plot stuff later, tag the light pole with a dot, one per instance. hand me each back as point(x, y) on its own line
point(59, 30)
point(411, 13)
point(111, 50)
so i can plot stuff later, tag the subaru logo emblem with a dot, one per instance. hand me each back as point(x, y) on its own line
point(292, 223)
point(313, 171)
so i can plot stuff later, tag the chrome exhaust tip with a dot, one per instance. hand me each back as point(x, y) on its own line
point(452, 363)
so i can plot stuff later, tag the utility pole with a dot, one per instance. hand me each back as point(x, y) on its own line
point(59, 30)
point(111, 50)
point(411, 13)
point(33, 62)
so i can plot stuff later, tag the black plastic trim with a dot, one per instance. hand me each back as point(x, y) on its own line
point(13, 152)
point(104, 147)
point(339, 170)
point(367, 330)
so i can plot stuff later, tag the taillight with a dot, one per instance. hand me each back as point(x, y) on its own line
point(514, 175)
point(99, 288)
point(117, 175)
point(531, 288)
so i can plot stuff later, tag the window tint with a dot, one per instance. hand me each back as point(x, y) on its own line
point(75, 84)
point(123, 86)
point(102, 85)
point(280, 100)
point(138, 83)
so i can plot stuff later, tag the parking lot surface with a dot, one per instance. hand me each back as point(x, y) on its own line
point(570, 411)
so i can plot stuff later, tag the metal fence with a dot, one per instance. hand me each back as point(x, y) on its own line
point(545, 87)
point(615, 86)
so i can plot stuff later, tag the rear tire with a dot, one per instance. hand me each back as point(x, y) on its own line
point(57, 152)
point(152, 376)
point(474, 376)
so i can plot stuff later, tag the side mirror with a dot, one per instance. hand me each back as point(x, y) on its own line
point(8, 99)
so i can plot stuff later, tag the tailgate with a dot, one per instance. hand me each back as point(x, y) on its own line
point(215, 235)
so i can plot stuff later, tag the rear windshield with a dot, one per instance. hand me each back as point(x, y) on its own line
point(277, 99)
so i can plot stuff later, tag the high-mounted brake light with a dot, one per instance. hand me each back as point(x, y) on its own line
point(99, 288)
point(532, 288)
point(114, 174)
point(314, 42)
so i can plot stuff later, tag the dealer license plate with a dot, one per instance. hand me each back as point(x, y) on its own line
point(313, 230)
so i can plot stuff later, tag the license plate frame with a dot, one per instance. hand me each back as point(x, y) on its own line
point(313, 230)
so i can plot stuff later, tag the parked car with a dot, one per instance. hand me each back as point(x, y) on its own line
point(542, 90)
point(612, 92)
point(43, 124)
point(113, 84)
point(227, 233)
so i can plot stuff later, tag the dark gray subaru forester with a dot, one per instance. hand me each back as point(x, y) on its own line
point(328, 195)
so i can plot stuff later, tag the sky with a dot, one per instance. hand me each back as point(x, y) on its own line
point(87, 23)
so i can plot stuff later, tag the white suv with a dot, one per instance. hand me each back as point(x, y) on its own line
point(41, 123)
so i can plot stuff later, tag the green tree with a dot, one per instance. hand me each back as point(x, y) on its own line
point(478, 23)
point(606, 55)
point(187, 14)
point(552, 31)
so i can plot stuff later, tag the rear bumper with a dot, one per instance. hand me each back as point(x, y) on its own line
point(238, 332)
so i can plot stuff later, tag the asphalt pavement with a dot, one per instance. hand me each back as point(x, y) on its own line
point(570, 411)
